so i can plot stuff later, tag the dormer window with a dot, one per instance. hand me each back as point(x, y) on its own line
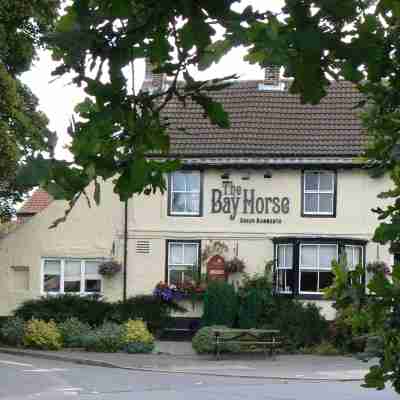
point(319, 194)
point(184, 194)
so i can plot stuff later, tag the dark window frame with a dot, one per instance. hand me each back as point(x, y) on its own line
point(170, 213)
point(296, 242)
point(167, 242)
point(335, 193)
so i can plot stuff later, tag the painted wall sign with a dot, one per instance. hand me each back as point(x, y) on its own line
point(216, 268)
point(233, 200)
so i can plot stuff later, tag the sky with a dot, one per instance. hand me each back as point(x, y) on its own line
point(57, 98)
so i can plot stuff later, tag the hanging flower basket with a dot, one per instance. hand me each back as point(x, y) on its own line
point(109, 268)
point(234, 265)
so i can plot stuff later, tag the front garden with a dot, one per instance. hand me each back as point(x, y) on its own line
point(93, 324)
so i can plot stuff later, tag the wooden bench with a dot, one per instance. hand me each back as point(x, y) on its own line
point(267, 340)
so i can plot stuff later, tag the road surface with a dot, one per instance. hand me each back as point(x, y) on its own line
point(31, 378)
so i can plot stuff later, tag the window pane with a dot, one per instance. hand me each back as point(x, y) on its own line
point(51, 276)
point(190, 254)
point(326, 181)
point(311, 181)
point(91, 268)
point(178, 181)
point(285, 280)
point(326, 255)
point(289, 257)
point(311, 203)
point(349, 256)
point(325, 279)
point(175, 255)
point(52, 267)
point(178, 202)
point(285, 256)
point(193, 203)
point(308, 281)
point(72, 276)
point(326, 203)
point(289, 280)
point(308, 256)
point(93, 285)
point(189, 275)
point(175, 277)
point(281, 280)
point(193, 182)
point(72, 269)
point(358, 256)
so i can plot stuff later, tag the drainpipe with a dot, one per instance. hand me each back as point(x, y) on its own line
point(124, 295)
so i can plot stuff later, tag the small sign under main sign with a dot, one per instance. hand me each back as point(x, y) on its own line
point(216, 268)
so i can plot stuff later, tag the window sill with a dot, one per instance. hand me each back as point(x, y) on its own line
point(303, 296)
point(304, 215)
point(185, 215)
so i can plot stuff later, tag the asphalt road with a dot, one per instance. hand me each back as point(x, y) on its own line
point(29, 378)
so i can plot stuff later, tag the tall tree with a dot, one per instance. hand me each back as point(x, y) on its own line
point(23, 129)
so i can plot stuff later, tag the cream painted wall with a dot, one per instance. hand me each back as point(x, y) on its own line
point(88, 232)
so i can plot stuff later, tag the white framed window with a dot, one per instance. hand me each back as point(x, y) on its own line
point(284, 278)
point(354, 256)
point(315, 267)
point(185, 193)
point(183, 262)
point(71, 276)
point(319, 193)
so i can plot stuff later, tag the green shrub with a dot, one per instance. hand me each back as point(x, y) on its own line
point(256, 301)
point(204, 343)
point(151, 309)
point(12, 331)
point(72, 331)
point(220, 304)
point(106, 338)
point(42, 335)
point(88, 309)
point(301, 325)
point(94, 311)
point(139, 347)
point(135, 331)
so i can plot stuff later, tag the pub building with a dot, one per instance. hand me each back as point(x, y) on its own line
point(284, 184)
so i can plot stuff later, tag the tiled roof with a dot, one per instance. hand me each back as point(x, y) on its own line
point(38, 201)
point(270, 123)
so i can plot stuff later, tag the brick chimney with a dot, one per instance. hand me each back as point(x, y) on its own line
point(272, 74)
point(152, 81)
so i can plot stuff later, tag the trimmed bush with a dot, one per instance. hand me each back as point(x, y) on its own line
point(42, 335)
point(106, 338)
point(203, 342)
point(88, 309)
point(72, 331)
point(220, 304)
point(135, 331)
point(12, 331)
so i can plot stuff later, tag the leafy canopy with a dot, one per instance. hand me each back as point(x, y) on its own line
point(23, 130)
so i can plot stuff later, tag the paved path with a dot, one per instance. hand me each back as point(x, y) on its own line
point(299, 367)
point(25, 378)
